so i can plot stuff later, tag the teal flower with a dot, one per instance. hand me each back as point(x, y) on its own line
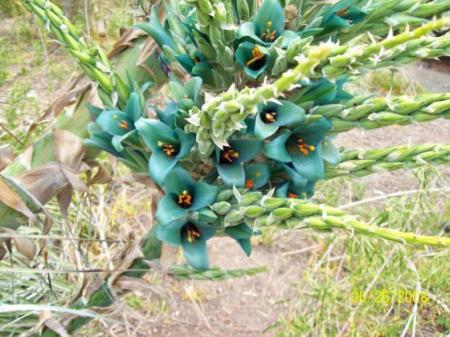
point(184, 97)
point(120, 125)
point(267, 26)
point(183, 196)
point(253, 58)
point(272, 116)
point(230, 159)
point(330, 153)
point(168, 146)
point(256, 175)
point(341, 14)
point(322, 92)
point(242, 234)
point(293, 191)
point(302, 147)
point(192, 237)
point(298, 187)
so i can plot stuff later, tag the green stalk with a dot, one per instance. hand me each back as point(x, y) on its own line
point(255, 209)
point(358, 163)
point(376, 112)
point(386, 15)
point(222, 116)
point(93, 61)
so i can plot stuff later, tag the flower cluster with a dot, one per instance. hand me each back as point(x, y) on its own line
point(275, 148)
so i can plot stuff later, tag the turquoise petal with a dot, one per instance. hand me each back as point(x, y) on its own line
point(297, 179)
point(169, 212)
point(264, 130)
point(259, 173)
point(153, 131)
point(207, 231)
point(156, 30)
point(102, 144)
point(168, 115)
point(310, 166)
point(232, 174)
point(247, 148)
point(111, 121)
point(204, 71)
point(116, 141)
point(330, 153)
point(193, 87)
point(246, 246)
point(204, 195)
point(276, 149)
point(170, 233)
point(270, 10)
point(195, 253)
point(242, 231)
point(178, 180)
point(186, 141)
point(335, 21)
point(289, 114)
point(313, 133)
point(282, 191)
point(133, 108)
point(289, 37)
point(247, 32)
point(160, 165)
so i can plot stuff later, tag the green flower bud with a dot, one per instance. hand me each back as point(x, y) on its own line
point(281, 214)
point(225, 195)
point(234, 217)
point(221, 207)
point(272, 203)
point(305, 210)
point(250, 198)
point(254, 211)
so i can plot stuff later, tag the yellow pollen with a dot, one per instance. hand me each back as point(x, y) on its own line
point(168, 149)
point(185, 199)
point(229, 155)
point(192, 235)
point(124, 124)
point(256, 56)
point(270, 117)
point(304, 148)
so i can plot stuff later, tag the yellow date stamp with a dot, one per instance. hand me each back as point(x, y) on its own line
point(388, 296)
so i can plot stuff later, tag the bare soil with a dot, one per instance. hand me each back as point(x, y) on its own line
point(247, 307)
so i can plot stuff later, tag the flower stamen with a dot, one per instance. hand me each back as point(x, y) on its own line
point(192, 233)
point(292, 195)
point(256, 56)
point(269, 117)
point(249, 184)
point(304, 148)
point(269, 34)
point(185, 199)
point(124, 124)
point(229, 155)
point(168, 149)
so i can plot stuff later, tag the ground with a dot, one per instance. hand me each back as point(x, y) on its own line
point(311, 277)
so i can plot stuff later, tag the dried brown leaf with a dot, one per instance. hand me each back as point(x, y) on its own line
point(69, 149)
point(13, 200)
point(6, 156)
point(25, 246)
point(125, 41)
point(72, 92)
